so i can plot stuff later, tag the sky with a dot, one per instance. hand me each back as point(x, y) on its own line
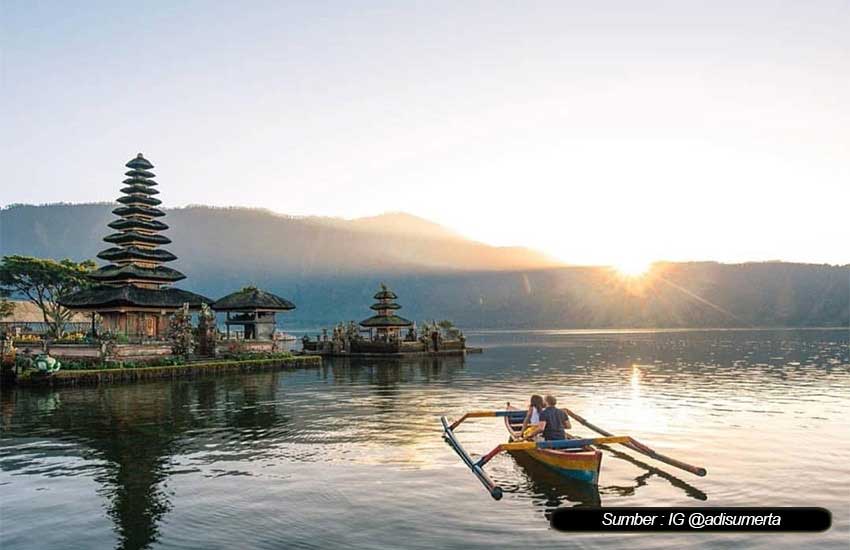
point(613, 133)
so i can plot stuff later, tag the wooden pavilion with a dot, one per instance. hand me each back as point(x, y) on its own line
point(254, 310)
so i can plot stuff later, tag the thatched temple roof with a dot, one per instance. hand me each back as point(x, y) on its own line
point(135, 272)
point(252, 299)
point(383, 321)
point(130, 295)
point(384, 305)
point(140, 163)
point(385, 294)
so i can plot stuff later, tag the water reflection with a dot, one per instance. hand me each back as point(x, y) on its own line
point(261, 460)
point(132, 432)
point(137, 431)
point(550, 489)
point(689, 490)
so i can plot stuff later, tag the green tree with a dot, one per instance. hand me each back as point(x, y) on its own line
point(45, 282)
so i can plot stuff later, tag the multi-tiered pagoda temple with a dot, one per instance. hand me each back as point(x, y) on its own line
point(386, 324)
point(132, 292)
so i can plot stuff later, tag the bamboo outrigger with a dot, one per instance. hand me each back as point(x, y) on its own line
point(573, 457)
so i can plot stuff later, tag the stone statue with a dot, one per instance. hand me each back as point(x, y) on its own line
point(207, 333)
point(180, 332)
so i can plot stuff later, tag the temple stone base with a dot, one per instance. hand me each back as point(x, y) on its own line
point(74, 352)
point(141, 352)
point(147, 351)
point(396, 348)
point(367, 346)
point(230, 347)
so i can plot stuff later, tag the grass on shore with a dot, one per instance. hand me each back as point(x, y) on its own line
point(71, 365)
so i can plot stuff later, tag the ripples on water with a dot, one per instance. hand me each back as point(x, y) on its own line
point(351, 453)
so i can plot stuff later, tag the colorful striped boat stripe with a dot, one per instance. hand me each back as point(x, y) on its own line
point(584, 463)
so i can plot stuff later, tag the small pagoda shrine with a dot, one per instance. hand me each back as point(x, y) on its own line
point(385, 325)
point(254, 310)
point(132, 294)
point(387, 337)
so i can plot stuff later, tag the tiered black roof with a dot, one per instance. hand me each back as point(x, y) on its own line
point(135, 277)
point(152, 225)
point(136, 254)
point(385, 306)
point(139, 188)
point(130, 295)
point(385, 294)
point(140, 163)
point(137, 208)
point(139, 199)
point(130, 252)
point(131, 272)
point(131, 236)
point(379, 307)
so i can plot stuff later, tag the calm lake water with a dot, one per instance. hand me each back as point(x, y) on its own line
point(351, 453)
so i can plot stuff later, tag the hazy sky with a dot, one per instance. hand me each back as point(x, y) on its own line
point(599, 132)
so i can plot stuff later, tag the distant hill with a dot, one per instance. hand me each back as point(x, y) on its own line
point(228, 238)
point(330, 267)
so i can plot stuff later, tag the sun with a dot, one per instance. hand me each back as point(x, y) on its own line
point(633, 267)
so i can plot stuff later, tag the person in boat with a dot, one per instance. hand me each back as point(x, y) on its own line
point(554, 420)
point(532, 416)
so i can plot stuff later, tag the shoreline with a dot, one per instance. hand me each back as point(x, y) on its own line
point(94, 377)
point(401, 354)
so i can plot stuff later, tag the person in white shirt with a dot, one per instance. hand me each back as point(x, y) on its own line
point(532, 416)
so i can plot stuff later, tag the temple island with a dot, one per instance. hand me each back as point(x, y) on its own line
point(138, 318)
point(137, 314)
point(387, 334)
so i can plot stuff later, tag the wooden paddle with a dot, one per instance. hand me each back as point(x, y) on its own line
point(639, 447)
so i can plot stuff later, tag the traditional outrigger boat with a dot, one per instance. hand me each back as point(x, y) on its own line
point(581, 463)
point(575, 458)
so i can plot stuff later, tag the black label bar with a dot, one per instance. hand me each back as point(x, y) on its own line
point(703, 519)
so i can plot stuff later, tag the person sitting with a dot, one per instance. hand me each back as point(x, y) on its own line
point(532, 416)
point(554, 420)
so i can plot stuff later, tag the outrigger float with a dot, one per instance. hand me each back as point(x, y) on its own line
point(573, 457)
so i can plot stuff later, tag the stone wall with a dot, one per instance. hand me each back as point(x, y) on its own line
point(139, 374)
point(367, 346)
point(121, 352)
point(74, 352)
point(141, 352)
point(452, 345)
point(225, 347)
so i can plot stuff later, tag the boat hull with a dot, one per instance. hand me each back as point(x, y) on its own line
point(582, 466)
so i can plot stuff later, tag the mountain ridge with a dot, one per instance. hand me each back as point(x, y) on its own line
point(330, 269)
